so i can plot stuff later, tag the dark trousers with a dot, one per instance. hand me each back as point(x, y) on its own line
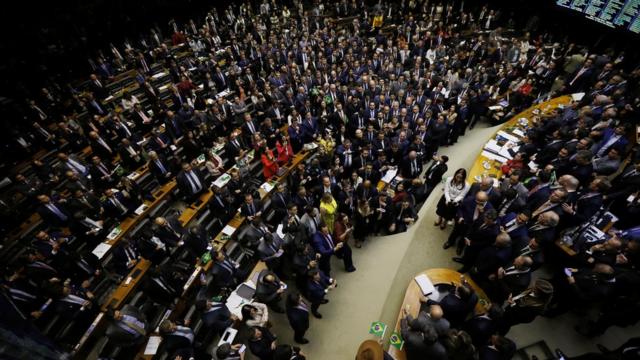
point(345, 255)
point(314, 306)
point(298, 334)
point(457, 234)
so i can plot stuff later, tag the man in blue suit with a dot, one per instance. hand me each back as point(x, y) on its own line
point(215, 315)
point(516, 226)
point(317, 287)
point(324, 245)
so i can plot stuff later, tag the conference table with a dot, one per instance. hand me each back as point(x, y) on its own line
point(413, 294)
point(488, 165)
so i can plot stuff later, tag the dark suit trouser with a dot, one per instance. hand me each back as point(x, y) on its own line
point(298, 333)
point(459, 230)
point(345, 255)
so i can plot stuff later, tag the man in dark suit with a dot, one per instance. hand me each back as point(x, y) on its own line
point(433, 175)
point(190, 182)
point(196, 240)
point(129, 326)
point(324, 245)
point(159, 167)
point(472, 209)
point(481, 234)
point(262, 343)
point(269, 290)
point(491, 258)
point(582, 78)
point(125, 257)
point(225, 271)
point(130, 154)
point(317, 287)
point(411, 166)
point(85, 203)
point(251, 208)
point(458, 304)
point(102, 175)
point(177, 337)
point(515, 225)
point(97, 87)
point(482, 326)
point(486, 185)
point(116, 205)
point(101, 146)
point(53, 212)
point(169, 231)
point(298, 316)
point(235, 147)
point(215, 315)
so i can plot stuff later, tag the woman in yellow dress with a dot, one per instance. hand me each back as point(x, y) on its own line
point(328, 209)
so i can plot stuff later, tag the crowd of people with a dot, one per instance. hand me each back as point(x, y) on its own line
point(371, 97)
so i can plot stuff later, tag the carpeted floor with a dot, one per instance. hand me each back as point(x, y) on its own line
point(386, 265)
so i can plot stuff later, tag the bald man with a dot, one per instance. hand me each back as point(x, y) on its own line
point(472, 209)
point(431, 316)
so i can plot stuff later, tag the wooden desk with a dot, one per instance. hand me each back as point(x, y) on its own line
point(477, 169)
point(130, 283)
point(413, 294)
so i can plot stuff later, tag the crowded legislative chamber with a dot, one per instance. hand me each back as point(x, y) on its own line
point(327, 180)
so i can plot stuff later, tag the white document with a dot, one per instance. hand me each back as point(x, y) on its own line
point(101, 249)
point(425, 284)
point(235, 303)
point(159, 75)
point(492, 145)
point(228, 230)
point(389, 175)
point(152, 345)
point(532, 165)
point(518, 132)
point(493, 156)
point(279, 231)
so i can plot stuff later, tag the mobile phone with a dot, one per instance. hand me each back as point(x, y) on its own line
point(568, 272)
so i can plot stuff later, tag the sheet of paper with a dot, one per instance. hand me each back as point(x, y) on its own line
point(518, 132)
point(532, 165)
point(279, 231)
point(425, 284)
point(492, 156)
point(100, 250)
point(492, 145)
point(389, 175)
point(114, 233)
point(228, 230)
point(159, 75)
point(152, 345)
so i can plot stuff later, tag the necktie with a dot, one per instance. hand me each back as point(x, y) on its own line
point(57, 211)
point(327, 238)
point(75, 166)
point(103, 169)
point(252, 209)
point(118, 204)
point(195, 183)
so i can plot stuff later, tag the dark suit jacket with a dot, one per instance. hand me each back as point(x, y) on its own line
point(218, 318)
point(185, 186)
point(246, 211)
point(434, 174)
point(262, 348)
point(480, 328)
point(157, 172)
point(166, 235)
point(298, 318)
point(316, 289)
point(51, 218)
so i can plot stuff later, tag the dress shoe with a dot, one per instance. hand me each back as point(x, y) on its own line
point(351, 269)
point(560, 354)
point(324, 301)
point(603, 349)
point(446, 245)
point(317, 315)
point(458, 251)
point(302, 341)
point(457, 259)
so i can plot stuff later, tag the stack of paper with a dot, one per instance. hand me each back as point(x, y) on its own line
point(140, 209)
point(425, 284)
point(508, 136)
point(492, 145)
point(492, 156)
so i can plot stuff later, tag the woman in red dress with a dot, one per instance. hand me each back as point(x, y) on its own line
point(269, 164)
point(285, 151)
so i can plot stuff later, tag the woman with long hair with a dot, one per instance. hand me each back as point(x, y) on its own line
point(255, 314)
point(342, 228)
point(214, 164)
point(269, 163)
point(363, 219)
point(455, 189)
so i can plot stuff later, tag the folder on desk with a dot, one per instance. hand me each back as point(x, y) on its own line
point(222, 180)
point(228, 230)
point(425, 284)
point(389, 175)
